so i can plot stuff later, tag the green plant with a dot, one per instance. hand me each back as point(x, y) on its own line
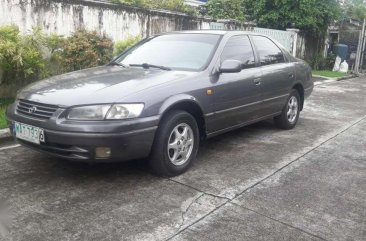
point(21, 59)
point(84, 49)
point(226, 9)
point(329, 73)
point(319, 62)
point(26, 58)
point(173, 5)
point(122, 45)
point(330, 61)
point(355, 9)
point(3, 123)
point(313, 16)
point(3, 104)
point(54, 44)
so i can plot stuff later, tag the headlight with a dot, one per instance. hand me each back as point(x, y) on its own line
point(101, 112)
point(91, 112)
point(124, 111)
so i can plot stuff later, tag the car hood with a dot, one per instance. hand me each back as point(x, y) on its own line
point(105, 84)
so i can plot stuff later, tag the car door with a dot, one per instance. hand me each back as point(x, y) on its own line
point(237, 95)
point(278, 74)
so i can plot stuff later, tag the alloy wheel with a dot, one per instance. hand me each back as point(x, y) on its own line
point(180, 144)
point(292, 109)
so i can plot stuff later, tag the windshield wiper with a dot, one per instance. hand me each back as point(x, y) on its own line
point(118, 64)
point(147, 66)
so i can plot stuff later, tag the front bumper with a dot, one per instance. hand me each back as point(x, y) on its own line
point(77, 140)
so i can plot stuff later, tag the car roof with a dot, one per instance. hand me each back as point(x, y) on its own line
point(209, 31)
point(222, 32)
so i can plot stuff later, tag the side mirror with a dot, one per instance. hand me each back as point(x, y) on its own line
point(230, 66)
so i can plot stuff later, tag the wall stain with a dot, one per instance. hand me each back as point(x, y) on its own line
point(115, 20)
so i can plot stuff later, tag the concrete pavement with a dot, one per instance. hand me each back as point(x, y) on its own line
point(256, 183)
point(321, 196)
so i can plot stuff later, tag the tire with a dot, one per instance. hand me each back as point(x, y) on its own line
point(171, 155)
point(287, 120)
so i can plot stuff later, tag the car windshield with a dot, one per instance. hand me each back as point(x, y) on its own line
point(190, 52)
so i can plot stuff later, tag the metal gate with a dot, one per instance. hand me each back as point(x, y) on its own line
point(217, 26)
point(288, 39)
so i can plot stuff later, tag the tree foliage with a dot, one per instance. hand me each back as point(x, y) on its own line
point(20, 56)
point(355, 9)
point(173, 5)
point(226, 9)
point(26, 58)
point(314, 16)
point(84, 49)
point(122, 45)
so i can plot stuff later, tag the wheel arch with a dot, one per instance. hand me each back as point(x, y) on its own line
point(300, 89)
point(185, 103)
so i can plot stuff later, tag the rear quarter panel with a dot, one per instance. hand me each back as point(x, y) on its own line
point(304, 76)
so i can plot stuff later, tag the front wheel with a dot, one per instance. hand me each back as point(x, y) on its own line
point(290, 113)
point(176, 144)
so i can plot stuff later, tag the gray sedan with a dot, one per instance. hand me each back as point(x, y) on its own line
point(160, 98)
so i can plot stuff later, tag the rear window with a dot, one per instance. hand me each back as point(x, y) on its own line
point(268, 51)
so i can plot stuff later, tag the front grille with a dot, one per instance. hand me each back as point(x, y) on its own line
point(34, 109)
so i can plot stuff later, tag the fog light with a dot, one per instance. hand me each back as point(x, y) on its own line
point(102, 152)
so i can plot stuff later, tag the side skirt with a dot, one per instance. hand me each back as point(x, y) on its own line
point(212, 134)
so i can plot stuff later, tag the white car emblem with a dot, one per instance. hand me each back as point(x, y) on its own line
point(32, 109)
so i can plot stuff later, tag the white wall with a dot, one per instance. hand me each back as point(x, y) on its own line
point(118, 22)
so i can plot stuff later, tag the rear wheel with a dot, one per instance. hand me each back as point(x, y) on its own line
point(290, 113)
point(176, 144)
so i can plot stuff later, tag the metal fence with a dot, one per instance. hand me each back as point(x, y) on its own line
point(286, 38)
point(217, 26)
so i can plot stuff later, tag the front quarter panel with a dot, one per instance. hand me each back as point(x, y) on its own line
point(158, 100)
point(176, 99)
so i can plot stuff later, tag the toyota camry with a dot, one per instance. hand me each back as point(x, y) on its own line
point(161, 98)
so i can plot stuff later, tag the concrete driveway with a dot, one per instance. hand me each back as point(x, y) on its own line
point(256, 183)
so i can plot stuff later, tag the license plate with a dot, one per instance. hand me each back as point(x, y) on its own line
point(29, 133)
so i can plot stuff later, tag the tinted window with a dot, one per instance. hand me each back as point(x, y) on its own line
point(239, 48)
point(176, 51)
point(268, 52)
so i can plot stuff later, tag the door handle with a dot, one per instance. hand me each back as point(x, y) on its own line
point(257, 81)
point(291, 75)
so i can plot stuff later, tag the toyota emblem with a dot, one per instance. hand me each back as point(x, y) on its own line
point(32, 109)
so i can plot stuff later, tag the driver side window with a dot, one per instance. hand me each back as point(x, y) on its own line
point(239, 48)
